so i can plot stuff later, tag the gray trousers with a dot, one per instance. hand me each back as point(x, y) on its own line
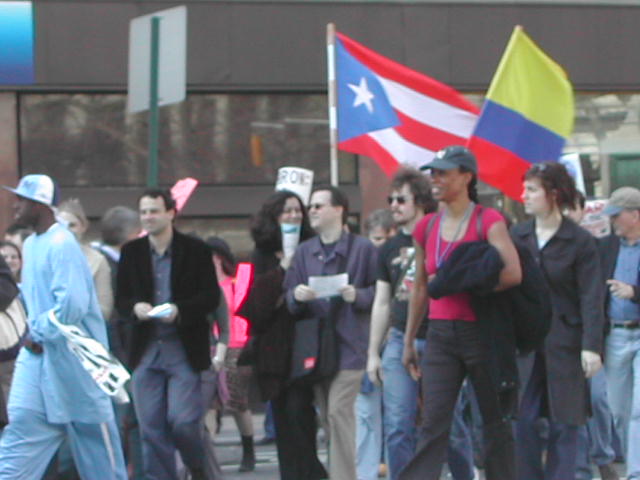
point(169, 407)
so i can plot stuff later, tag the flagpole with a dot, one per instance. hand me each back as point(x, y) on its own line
point(333, 113)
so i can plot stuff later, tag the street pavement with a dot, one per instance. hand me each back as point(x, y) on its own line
point(229, 453)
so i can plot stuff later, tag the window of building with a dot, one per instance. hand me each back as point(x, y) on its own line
point(231, 139)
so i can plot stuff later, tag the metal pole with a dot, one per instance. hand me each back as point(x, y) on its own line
point(152, 170)
point(333, 113)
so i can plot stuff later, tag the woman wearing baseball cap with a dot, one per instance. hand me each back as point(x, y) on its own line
point(456, 347)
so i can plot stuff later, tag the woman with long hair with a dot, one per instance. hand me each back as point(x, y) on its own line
point(555, 376)
point(277, 227)
point(456, 347)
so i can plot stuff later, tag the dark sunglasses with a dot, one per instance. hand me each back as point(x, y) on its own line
point(401, 199)
point(538, 168)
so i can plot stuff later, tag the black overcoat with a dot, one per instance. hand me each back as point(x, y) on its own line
point(272, 326)
point(194, 290)
point(572, 269)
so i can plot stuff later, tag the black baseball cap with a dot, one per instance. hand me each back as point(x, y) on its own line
point(451, 157)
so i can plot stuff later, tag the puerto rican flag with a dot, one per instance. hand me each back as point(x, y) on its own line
point(393, 114)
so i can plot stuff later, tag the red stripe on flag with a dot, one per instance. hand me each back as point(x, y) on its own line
point(499, 167)
point(365, 145)
point(399, 73)
point(425, 135)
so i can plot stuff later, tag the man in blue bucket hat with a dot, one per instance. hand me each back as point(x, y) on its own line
point(52, 396)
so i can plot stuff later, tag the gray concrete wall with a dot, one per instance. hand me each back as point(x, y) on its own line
point(279, 46)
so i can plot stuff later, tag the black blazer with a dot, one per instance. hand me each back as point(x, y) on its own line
point(194, 290)
point(608, 248)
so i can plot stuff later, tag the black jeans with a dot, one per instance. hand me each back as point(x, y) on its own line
point(455, 350)
point(296, 429)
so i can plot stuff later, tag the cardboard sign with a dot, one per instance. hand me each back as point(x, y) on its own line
point(296, 180)
point(594, 221)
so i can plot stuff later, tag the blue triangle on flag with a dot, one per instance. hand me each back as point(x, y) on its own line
point(363, 105)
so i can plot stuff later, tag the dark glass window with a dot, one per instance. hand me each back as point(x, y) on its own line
point(89, 140)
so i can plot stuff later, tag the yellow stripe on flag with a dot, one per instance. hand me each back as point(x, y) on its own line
point(531, 83)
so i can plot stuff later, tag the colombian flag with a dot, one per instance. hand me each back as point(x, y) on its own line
point(526, 118)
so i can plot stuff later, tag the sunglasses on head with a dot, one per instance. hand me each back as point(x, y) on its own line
point(401, 199)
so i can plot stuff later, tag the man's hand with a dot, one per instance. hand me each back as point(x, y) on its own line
point(620, 289)
point(410, 361)
point(172, 316)
point(591, 363)
point(348, 293)
point(304, 293)
point(374, 369)
point(141, 310)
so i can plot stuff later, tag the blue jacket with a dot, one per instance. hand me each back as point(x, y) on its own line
point(352, 321)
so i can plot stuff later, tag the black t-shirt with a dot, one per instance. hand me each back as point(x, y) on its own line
point(396, 266)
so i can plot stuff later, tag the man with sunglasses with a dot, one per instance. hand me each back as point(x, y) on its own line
point(409, 200)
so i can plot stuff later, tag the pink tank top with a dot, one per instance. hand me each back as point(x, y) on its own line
point(458, 306)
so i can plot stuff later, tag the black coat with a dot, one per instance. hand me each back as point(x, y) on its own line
point(272, 326)
point(474, 267)
point(573, 274)
point(194, 290)
point(608, 248)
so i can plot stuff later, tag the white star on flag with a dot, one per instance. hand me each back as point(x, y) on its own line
point(363, 95)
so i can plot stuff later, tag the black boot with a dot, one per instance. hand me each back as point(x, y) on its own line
point(248, 463)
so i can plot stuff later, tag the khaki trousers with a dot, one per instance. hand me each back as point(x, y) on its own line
point(336, 399)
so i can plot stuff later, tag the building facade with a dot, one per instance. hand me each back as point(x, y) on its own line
point(257, 94)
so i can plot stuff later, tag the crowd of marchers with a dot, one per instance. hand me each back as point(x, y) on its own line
point(446, 334)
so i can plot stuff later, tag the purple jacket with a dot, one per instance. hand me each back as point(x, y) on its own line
point(352, 318)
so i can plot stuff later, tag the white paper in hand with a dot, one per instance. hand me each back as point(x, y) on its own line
point(328, 285)
point(160, 311)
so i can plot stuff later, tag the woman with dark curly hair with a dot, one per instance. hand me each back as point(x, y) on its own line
point(555, 376)
point(276, 229)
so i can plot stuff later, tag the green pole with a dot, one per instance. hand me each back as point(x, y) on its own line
point(152, 170)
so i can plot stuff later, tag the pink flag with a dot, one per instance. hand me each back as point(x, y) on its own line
point(182, 190)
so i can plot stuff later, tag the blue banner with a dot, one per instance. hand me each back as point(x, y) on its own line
point(16, 43)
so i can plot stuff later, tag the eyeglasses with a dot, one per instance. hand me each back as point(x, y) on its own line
point(316, 206)
point(401, 199)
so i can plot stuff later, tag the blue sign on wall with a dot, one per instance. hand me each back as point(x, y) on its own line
point(16, 43)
